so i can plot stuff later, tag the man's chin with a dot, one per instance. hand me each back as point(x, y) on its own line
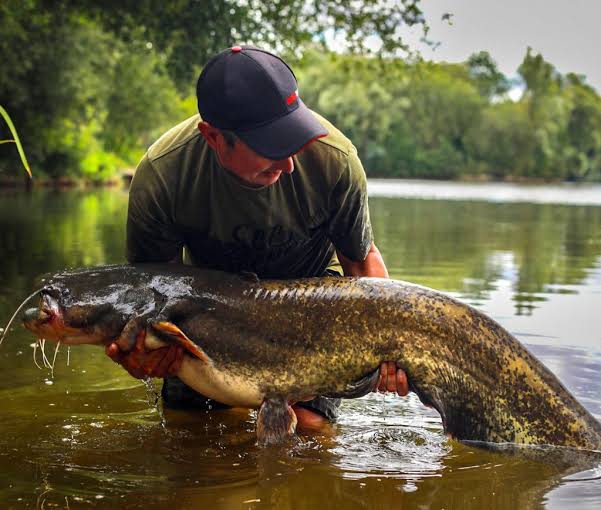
point(268, 178)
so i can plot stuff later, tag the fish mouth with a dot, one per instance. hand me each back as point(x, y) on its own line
point(49, 321)
point(45, 320)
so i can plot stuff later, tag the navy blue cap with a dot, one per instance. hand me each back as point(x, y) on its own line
point(254, 93)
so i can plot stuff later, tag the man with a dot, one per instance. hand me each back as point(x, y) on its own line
point(257, 183)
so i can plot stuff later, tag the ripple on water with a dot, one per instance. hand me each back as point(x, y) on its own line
point(389, 435)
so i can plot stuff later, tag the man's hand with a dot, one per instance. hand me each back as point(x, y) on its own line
point(141, 362)
point(392, 379)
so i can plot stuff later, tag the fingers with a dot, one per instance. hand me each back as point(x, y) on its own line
point(113, 352)
point(140, 362)
point(391, 376)
point(402, 384)
point(381, 387)
point(161, 362)
point(392, 379)
point(140, 337)
point(167, 363)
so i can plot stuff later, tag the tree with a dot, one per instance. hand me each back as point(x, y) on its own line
point(189, 31)
point(583, 131)
point(483, 71)
point(540, 76)
point(502, 144)
point(88, 83)
point(548, 112)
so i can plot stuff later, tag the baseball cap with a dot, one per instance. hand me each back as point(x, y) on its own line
point(254, 93)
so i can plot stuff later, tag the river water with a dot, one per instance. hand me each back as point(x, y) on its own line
point(86, 435)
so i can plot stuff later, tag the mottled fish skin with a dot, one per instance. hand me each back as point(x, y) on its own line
point(295, 338)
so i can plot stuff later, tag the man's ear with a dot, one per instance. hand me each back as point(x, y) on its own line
point(210, 134)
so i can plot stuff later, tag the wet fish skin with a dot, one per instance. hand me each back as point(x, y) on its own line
point(293, 338)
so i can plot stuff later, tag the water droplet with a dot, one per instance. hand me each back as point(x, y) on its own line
point(153, 398)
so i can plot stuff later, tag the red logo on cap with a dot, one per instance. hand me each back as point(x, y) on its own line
point(292, 97)
point(236, 49)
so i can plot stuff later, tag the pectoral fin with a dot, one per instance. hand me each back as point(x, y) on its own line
point(172, 332)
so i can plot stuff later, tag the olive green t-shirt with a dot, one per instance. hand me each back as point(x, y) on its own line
point(181, 196)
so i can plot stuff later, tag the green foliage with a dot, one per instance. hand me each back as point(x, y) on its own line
point(410, 122)
point(583, 132)
point(188, 32)
point(92, 84)
point(540, 76)
point(446, 121)
point(88, 102)
point(502, 143)
point(483, 71)
point(141, 101)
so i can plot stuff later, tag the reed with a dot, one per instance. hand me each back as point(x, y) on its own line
point(15, 139)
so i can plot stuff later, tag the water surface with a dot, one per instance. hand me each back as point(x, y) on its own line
point(86, 436)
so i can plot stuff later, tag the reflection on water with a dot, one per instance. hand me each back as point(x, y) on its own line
point(578, 369)
point(564, 193)
point(89, 438)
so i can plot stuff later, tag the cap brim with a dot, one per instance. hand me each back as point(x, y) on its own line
point(285, 136)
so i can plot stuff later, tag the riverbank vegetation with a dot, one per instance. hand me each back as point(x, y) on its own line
point(453, 121)
point(89, 88)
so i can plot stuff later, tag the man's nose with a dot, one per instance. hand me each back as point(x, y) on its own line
point(285, 165)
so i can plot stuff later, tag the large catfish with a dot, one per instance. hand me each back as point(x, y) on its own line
point(261, 344)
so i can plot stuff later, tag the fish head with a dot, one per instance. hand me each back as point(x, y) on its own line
point(77, 310)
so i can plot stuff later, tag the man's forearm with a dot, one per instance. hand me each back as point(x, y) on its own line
point(373, 265)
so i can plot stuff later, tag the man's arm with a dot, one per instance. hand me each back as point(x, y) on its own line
point(391, 378)
point(373, 265)
point(151, 237)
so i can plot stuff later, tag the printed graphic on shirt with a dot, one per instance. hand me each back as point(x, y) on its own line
point(271, 252)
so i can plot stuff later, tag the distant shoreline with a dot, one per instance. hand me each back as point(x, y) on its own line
point(125, 177)
point(23, 182)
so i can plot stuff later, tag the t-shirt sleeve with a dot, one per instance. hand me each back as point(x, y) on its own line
point(151, 235)
point(350, 227)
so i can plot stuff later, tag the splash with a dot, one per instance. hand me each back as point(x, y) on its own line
point(153, 399)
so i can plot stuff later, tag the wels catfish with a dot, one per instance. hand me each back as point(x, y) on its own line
point(262, 344)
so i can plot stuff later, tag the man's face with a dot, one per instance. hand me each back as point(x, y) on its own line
point(252, 168)
point(242, 161)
